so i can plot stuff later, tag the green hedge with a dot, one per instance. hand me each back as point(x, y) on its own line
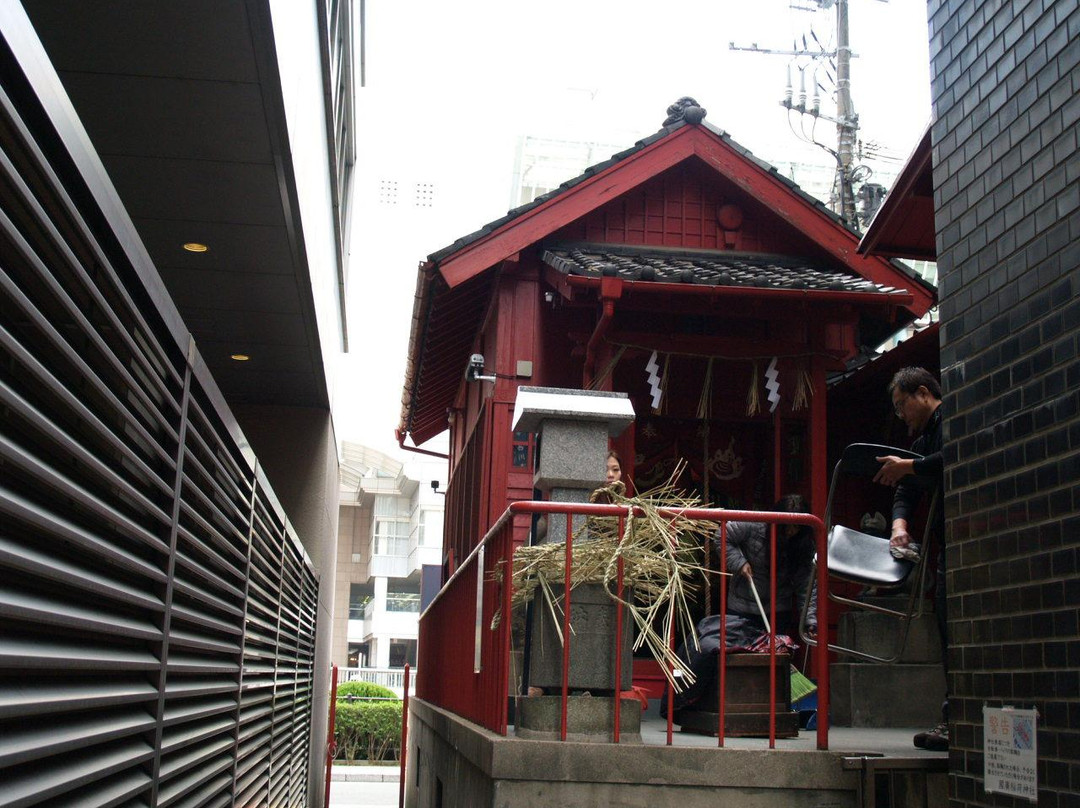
point(366, 690)
point(367, 730)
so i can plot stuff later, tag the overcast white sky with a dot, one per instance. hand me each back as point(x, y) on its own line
point(451, 87)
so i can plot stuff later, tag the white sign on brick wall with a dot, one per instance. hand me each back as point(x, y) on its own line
point(1009, 752)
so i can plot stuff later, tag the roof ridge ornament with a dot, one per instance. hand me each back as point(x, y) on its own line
point(685, 109)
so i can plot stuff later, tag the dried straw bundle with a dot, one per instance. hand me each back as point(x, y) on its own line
point(660, 568)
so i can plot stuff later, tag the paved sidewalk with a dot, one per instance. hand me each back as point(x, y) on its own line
point(365, 774)
point(364, 786)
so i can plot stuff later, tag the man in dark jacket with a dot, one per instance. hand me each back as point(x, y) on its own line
point(747, 558)
point(916, 399)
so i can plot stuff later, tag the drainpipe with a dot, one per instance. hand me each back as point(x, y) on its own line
point(400, 435)
point(610, 291)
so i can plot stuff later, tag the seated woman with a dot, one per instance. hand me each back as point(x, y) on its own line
point(747, 559)
point(614, 481)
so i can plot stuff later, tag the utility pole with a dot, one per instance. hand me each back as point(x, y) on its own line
point(847, 122)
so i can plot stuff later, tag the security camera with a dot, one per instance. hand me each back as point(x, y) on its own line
point(474, 371)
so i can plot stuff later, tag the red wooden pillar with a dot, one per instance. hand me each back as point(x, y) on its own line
point(819, 479)
point(516, 329)
point(818, 438)
point(778, 455)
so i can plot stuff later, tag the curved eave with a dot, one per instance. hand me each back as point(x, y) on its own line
point(904, 224)
point(445, 324)
point(897, 297)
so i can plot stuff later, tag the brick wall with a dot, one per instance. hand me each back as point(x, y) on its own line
point(1006, 93)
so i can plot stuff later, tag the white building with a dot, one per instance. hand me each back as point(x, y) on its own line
point(389, 538)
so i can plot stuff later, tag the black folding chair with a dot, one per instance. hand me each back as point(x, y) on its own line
point(864, 559)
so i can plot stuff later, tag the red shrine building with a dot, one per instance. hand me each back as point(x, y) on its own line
point(737, 315)
point(684, 272)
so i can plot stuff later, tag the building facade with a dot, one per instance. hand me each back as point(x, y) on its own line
point(1006, 186)
point(174, 210)
point(389, 546)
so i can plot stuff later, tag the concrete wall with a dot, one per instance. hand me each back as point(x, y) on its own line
point(297, 448)
point(476, 768)
point(1006, 95)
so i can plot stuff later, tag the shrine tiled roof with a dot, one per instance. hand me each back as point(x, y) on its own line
point(794, 189)
point(455, 285)
point(600, 167)
point(709, 269)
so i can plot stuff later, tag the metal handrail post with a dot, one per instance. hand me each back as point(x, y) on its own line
point(404, 738)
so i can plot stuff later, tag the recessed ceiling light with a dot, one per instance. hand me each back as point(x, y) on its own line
point(194, 246)
point(239, 357)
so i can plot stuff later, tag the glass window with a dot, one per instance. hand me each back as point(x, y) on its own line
point(359, 597)
point(431, 527)
point(390, 528)
point(397, 507)
point(403, 601)
point(521, 450)
point(391, 537)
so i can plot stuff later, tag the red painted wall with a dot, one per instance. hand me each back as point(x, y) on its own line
point(679, 208)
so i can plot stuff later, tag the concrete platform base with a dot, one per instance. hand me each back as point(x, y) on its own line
point(902, 694)
point(452, 762)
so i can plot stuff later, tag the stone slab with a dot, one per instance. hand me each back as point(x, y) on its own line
point(572, 455)
point(556, 531)
point(896, 695)
point(462, 764)
point(536, 404)
point(876, 633)
point(589, 719)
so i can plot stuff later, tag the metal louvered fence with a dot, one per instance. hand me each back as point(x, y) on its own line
point(157, 612)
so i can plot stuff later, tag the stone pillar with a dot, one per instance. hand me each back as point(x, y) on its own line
point(574, 427)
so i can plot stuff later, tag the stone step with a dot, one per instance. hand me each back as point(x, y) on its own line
point(898, 695)
point(877, 634)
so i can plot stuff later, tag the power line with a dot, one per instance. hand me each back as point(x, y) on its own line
point(846, 119)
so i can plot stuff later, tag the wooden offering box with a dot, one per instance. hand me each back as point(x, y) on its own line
point(747, 704)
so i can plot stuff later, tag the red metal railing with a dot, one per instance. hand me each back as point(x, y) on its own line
point(464, 663)
point(404, 740)
point(331, 742)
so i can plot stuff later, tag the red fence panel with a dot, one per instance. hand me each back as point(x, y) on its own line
point(464, 664)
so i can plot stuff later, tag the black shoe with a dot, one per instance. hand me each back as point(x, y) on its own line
point(934, 740)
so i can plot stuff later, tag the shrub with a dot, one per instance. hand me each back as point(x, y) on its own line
point(365, 690)
point(368, 730)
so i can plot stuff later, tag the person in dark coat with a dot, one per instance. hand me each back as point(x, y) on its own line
point(747, 558)
point(916, 399)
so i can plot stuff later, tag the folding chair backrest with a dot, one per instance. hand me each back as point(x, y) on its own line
point(859, 460)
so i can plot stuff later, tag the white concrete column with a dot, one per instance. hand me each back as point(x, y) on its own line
point(383, 657)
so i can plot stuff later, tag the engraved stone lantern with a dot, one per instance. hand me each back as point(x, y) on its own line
point(573, 428)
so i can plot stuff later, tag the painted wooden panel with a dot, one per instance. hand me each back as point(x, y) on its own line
point(682, 208)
